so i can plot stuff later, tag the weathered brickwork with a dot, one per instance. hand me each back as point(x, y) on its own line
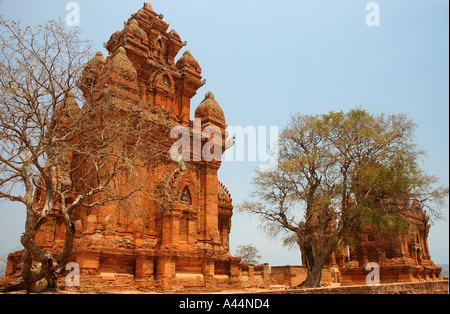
point(403, 258)
point(183, 240)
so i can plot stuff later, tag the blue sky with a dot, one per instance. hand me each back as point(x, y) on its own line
point(267, 59)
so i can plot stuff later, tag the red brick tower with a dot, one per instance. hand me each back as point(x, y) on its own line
point(183, 242)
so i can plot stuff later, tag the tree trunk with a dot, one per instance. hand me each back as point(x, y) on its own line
point(37, 277)
point(15, 286)
point(314, 268)
point(44, 274)
point(313, 277)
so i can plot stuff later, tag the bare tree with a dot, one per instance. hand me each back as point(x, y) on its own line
point(248, 253)
point(56, 156)
point(338, 172)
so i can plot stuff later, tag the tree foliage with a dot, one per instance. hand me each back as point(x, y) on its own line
point(248, 253)
point(337, 173)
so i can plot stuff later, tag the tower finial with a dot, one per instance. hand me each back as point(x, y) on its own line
point(148, 5)
point(121, 50)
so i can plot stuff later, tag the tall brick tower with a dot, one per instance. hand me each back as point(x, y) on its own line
point(184, 241)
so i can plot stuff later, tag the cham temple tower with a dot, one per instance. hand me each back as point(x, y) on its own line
point(187, 243)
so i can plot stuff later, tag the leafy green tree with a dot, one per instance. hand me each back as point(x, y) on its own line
point(340, 172)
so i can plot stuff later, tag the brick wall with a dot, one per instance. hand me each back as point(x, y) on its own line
point(427, 287)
